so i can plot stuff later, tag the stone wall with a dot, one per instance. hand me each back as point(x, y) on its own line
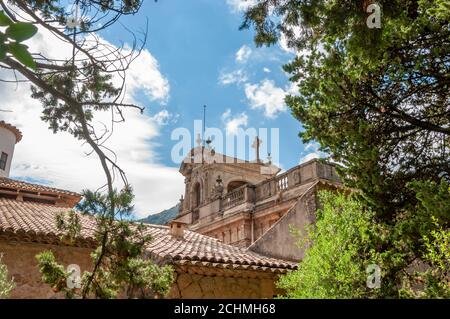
point(278, 242)
point(191, 281)
point(20, 259)
point(211, 283)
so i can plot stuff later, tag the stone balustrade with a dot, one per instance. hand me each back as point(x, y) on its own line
point(233, 198)
point(301, 174)
point(297, 175)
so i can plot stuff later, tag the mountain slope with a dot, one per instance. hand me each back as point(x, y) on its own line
point(161, 218)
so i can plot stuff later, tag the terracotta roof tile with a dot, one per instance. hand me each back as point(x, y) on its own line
point(198, 247)
point(13, 129)
point(21, 185)
point(37, 221)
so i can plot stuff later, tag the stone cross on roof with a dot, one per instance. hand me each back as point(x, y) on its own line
point(256, 145)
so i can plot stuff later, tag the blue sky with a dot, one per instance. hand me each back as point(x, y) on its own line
point(196, 44)
point(194, 55)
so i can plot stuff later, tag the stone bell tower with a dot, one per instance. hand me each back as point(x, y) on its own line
point(9, 136)
point(210, 175)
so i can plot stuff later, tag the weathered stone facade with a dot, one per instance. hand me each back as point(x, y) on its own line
point(243, 215)
point(205, 267)
point(190, 281)
point(20, 259)
point(219, 172)
point(205, 283)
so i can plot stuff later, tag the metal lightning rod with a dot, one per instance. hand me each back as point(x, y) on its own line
point(203, 137)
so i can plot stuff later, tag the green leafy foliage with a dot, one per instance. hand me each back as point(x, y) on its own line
point(63, 116)
point(20, 52)
point(55, 10)
point(10, 40)
point(4, 20)
point(120, 267)
point(413, 253)
point(6, 284)
point(437, 254)
point(20, 31)
point(424, 234)
point(71, 90)
point(377, 100)
point(343, 245)
point(52, 272)
point(437, 247)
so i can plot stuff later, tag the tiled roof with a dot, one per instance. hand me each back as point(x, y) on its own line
point(20, 185)
point(36, 222)
point(13, 129)
point(195, 248)
point(33, 221)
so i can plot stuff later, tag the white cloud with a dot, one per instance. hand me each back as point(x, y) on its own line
point(293, 89)
point(290, 47)
point(144, 75)
point(266, 96)
point(232, 124)
point(311, 151)
point(311, 146)
point(164, 117)
point(309, 157)
point(283, 42)
point(226, 114)
point(60, 160)
point(240, 5)
point(237, 76)
point(266, 70)
point(243, 54)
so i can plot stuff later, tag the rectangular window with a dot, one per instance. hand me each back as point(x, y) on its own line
point(3, 160)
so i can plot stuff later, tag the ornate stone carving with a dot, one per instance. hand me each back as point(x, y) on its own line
point(181, 207)
point(217, 189)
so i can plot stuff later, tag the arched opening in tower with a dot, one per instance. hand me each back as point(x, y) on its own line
point(235, 184)
point(196, 195)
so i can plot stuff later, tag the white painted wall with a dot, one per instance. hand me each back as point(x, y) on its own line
point(7, 144)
